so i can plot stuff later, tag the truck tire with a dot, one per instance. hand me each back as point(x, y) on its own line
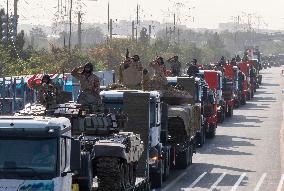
point(166, 166)
point(212, 131)
point(156, 177)
point(183, 159)
point(111, 173)
point(244, 100)
point(230, 111)
point(86, 181)
point(222, 116)
point(201, 138)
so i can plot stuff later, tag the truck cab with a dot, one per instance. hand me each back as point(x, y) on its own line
point(36, 153)
point(144, 112)
point(214, 80)
point(165, 129)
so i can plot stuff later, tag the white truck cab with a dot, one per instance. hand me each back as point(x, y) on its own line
point(35, 154)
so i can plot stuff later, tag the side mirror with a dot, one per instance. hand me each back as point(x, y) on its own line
point(75, 159)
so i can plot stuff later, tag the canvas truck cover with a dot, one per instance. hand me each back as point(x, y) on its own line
point(186, 113)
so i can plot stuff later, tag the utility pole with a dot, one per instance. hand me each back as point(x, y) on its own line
point(79, 30)
point(70, 23)
point(137, 15)
point(110, 29)
point(16, 12)
point(150, 31)
point(7, 15)
point(108, 14)
point(174, 21)
point(133, 30)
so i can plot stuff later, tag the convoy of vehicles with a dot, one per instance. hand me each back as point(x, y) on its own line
point(130, 142)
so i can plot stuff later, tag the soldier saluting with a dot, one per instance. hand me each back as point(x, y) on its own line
point(90, 85)
point(175, 65)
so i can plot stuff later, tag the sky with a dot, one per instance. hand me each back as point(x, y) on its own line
point(193, 13)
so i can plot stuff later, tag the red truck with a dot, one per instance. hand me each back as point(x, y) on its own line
point(246, 87)
point(214, 80)
point(228, 89)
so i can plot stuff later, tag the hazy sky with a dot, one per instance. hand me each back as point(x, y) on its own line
point(206, 13)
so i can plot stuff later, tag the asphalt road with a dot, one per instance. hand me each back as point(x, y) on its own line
point(245, 155)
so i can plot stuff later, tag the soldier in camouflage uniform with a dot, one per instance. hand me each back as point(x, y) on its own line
point(90, 85)
point(46, 92)
point(175, 66)
point(193, 69)
point(131, 72)
point(159, 80)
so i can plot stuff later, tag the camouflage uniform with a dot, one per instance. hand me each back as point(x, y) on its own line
point(46, 94)
point(175, 66)
point(90, 87)
point(131, 74)
point(159, 80)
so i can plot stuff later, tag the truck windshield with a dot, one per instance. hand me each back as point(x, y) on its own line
point(28, 155)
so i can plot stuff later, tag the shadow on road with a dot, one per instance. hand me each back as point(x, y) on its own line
point(226, 144)
point(239, 120)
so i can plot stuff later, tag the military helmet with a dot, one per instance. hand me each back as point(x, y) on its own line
point(136, 58)
point(45, 77)
point(89, 65)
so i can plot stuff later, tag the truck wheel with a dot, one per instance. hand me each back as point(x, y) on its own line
point(249, 96)
point(222, 116)
point(201, 137)
point(190, 155)
point(86, 181)
point(230, 112)
point(244, 100)
point(183, 159)
point(166, 166)
point(212, 131)
point(157, 177)
point(132, 173)
point(111, 173)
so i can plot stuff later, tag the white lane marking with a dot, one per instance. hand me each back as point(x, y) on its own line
point(259, 183)
point(195, 182)
point(217, 182)
point(235, 187)
point(174, 181)
point(279, 188)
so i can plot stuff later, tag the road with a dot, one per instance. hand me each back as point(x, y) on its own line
point(245, 155)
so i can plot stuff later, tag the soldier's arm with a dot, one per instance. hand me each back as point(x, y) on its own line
point(97, 84)
point(76, 72)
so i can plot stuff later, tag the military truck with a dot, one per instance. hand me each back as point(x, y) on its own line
point(109, 153)
point(38, 153)
point(164, 128)
point(205, 104)
point(214, 79)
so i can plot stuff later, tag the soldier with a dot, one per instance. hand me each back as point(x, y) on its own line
point(233, 62)
point(159, 80)
point(238, 58)
point(222, 61)
point(193, 68)
point(46, 92)
point(90, 85)
point(131, 72)
point(246, 57)
point(175, 66)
